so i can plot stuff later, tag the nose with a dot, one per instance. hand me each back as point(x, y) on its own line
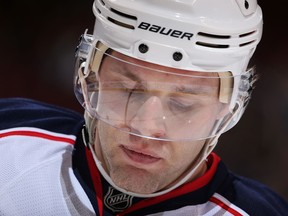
point(149, 119)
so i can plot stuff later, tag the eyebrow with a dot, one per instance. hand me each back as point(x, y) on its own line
point(128, 73)
point(194, 89)
point(180, 88)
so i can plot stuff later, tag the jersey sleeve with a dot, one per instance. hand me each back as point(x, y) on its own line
point(20, 112)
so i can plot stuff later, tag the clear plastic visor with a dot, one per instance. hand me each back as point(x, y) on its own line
point(154, 101)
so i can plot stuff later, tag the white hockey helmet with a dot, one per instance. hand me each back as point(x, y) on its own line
point(198, 35)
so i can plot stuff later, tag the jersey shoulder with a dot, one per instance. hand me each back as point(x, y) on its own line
point(22, 112)
point(252, 196)
point(263, 200)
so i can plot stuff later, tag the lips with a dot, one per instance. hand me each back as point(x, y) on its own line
point(140, 156)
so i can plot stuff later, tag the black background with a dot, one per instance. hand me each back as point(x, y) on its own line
point(38, 41)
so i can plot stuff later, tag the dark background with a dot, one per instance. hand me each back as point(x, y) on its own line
point(38, 41)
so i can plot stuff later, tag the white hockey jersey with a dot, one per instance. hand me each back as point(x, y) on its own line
point(47, 170)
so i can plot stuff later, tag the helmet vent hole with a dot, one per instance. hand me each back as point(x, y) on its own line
point(247, 43)
point(98, 10)
point(116, 22)
point(114, 18)
point(123, 14)
point(102, 2)
point(213, 35)
point(143, 48)
point(247, 34)
point(177, 56)
point(205, 40)
point(246, 4)
point(210, 45)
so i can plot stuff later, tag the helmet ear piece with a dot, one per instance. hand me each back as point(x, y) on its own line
point(97, 58)
point(81, 72)
point(89, 55)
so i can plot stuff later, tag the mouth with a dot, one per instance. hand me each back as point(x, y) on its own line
point(140, 156)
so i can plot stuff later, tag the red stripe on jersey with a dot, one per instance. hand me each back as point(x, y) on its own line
point(224, 206)
point(37, 134)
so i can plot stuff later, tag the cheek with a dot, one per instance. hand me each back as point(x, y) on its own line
point(106, 137)
point(184, 153)
point(104, 146)
point(109, 141)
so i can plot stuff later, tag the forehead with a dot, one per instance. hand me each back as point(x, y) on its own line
point(146, 70)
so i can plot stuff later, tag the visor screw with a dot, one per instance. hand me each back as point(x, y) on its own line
point(177, 56)
point(143, 48)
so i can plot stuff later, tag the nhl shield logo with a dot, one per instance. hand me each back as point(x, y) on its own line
point(117, 201)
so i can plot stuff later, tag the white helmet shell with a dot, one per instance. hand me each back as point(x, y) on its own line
point(199, 35)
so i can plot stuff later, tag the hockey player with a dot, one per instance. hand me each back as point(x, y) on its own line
point(160, 81)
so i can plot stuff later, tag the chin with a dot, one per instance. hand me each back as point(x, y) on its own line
point(135, 180)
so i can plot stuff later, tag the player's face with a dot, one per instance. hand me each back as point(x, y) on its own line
point(161, 106)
